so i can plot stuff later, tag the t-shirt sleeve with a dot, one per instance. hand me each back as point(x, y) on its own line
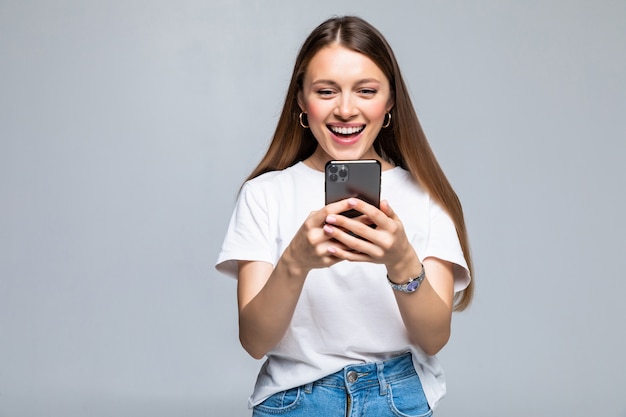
point(248, 232)
point(443, 243)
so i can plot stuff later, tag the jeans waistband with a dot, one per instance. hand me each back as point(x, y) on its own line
point(361, 376)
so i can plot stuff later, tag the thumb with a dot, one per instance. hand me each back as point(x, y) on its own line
point(386, 208)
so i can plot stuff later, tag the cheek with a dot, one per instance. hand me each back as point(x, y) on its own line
point(376, 111)
point(317, 111)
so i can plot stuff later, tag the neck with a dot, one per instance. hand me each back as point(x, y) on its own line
point(318, 161)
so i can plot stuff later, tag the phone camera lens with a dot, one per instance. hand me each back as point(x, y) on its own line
point(343, 173)
point(332, 169)
point(333, 177)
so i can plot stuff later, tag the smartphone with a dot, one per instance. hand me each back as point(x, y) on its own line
point(358, 178)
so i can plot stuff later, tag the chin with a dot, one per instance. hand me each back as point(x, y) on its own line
point(352, 155)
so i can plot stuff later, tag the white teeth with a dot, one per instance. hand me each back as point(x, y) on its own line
point(346, 130)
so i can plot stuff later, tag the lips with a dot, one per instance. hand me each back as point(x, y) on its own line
point(346, 135)
point(346, 130)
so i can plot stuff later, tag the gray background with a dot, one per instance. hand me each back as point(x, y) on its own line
point(126, 128)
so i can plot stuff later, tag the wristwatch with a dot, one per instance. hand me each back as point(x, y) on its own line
point(411, 285)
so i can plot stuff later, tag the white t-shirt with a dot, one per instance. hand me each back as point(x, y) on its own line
point(347, 313)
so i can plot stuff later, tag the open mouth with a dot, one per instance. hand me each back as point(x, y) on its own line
point(346, 132)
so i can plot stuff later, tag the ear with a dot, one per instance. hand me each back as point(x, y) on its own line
point(390, 105)
point(301, 102)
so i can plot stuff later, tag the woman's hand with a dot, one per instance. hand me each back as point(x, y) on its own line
point(267, 294)
point(387, 243)
point(427, 313)
point(311, 247)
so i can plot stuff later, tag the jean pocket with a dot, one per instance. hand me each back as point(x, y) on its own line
point(407, 399)
point(281, 402)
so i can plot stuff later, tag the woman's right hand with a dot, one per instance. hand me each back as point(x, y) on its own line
point(267, 295)
point(309, 247)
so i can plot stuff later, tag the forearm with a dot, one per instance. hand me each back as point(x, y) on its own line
point(427, 312)
point(426, 317)
point(263, 320)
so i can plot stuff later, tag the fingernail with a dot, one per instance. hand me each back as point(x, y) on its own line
point(331, 219)
point(352, 201)
point(328, 229)
point(332, 250)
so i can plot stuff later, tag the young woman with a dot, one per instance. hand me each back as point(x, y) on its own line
point(349, 325)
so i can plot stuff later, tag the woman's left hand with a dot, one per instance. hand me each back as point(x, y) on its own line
point(386, 244)
point(428, 312)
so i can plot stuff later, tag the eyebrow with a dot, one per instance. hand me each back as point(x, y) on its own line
point(334, 83)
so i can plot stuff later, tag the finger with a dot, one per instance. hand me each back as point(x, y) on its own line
point(332, 234)
point(313, 226)
point(353, 237)
point(360, 226)
point(373, 213)
point(385, 207)
point(331, 259)
point(338, 207)
point(349, 255)
point(316, 218)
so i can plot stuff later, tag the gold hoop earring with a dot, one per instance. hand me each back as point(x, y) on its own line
point(301, 122)
point(386, 125)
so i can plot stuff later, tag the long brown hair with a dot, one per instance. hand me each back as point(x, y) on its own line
point(403, 143)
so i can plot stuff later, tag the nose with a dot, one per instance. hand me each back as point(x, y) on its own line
point(346, 108)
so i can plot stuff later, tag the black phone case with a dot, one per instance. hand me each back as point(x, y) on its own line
point(359, 178)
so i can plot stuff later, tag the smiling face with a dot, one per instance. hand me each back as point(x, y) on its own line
point(346, 97)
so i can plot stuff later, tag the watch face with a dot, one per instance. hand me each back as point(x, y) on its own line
point(412, 286)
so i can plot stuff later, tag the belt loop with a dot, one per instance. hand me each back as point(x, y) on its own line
point(308, 388)
point(381, 378)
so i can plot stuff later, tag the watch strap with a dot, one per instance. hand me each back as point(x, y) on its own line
point(411, 285)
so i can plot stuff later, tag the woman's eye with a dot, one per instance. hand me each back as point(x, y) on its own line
point(325, 92)
point(368, 91)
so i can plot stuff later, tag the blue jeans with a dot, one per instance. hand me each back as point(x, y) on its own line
point(386, 388)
